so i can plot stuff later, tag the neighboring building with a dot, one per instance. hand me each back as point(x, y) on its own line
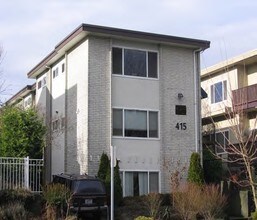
point(25, 98)
point(137, 91)
point(231, 87)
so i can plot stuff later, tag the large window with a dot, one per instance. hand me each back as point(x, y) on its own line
point(135, 123)
point(140, 183)
point(219, 92)
point(131, 62)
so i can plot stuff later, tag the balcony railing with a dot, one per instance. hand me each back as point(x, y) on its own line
point(245, 98)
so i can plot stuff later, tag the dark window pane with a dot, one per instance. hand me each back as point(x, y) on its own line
point(181, 110)
point(117, 61)
point(218, 92)
point(63, 67)
point(135, 123)
point(152, 64)
point(117, 122)
point(153, 124)
point(135, 63)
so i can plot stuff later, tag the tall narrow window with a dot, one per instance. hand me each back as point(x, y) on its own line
point(135, 123)
point(153, 124)
point(117, 122)
point(63, 67)
point(152, 64)
point(117, 61)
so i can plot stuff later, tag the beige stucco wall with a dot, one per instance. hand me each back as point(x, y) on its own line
point(211, 109)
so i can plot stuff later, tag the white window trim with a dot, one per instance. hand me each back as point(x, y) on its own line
point(140, 49)
point(138, 138)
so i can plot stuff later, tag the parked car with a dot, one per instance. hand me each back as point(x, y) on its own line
point(88, 194)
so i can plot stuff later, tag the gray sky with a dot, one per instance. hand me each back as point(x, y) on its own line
point(29, 29)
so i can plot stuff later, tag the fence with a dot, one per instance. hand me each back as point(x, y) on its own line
point(21, 173)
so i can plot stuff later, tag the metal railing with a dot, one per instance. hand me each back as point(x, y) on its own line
point(21, 173)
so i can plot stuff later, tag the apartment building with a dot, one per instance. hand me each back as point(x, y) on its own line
point(137, 91)
point(232, 100)
point(25, 98)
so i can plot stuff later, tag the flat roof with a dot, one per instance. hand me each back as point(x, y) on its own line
point(87, 29)
point(242, 59)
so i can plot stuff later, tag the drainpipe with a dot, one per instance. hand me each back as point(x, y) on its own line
point(198, 123)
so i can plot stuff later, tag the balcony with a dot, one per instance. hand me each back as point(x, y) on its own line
point(245, 98)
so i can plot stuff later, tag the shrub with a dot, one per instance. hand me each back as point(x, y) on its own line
point(117, 185)
point(187, 203)
point(254, 215)
point(213, 202)
point(57, 198)
point(195, 172)
point(143, 218)
point(31, 202)
point(153, 203)
point(212, 167)
point(205, 200)
point(13, 211)
point(103, 167)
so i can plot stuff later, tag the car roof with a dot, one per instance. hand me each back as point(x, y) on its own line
point(76, 176)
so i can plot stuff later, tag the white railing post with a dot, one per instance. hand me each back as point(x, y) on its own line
point(26, 172)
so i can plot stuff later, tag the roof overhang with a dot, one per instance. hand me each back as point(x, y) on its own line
point(243, 59)
point(21, 94)
point(85, 30)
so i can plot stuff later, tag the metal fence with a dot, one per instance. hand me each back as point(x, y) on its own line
point(21, 173)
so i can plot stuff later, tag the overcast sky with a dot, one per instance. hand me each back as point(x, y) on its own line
point(30, 29)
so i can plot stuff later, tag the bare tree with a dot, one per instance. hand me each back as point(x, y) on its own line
point(239, 148)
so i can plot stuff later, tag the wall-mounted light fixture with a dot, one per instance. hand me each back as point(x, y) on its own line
point(180, 95)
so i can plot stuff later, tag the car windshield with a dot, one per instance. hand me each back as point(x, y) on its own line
point(88, 186)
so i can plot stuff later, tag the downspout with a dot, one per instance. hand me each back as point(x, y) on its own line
point(198, 142)
point(66, 112)
point(48, 113)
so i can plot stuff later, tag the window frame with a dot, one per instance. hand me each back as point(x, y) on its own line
point(123, 173)
point(218, 145)
point(224, 94)
point(147, 121)
point(147, 66)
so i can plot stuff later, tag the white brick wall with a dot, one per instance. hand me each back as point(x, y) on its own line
point(99, 100)
point(176, 76)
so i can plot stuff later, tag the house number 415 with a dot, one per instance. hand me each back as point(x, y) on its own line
point(181, 126)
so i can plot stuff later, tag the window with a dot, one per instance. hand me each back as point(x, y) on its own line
point(117, 122)
point(221, 140)
point(39, 84)
point(219, 92)
point(63, 67)
point(55, 72)
point(131, 62)
point(135, 123)
point(140, 183)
